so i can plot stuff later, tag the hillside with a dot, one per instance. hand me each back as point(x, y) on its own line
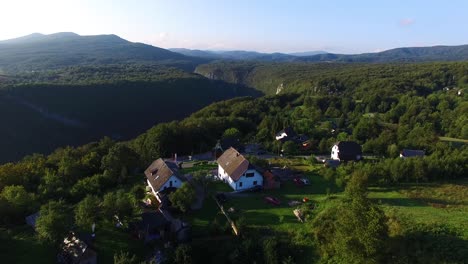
point(37, 52)
point(240, 55)
point(409, 54)
point(420, 199)
point(329, 78)
point(72, 106)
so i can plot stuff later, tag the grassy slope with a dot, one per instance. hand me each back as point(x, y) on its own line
point(413, 202)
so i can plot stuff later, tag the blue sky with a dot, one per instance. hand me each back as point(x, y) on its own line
point(263, 25)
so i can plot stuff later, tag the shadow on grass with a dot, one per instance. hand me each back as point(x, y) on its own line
point(268, 219)
point(407, 202)
point(21, 246)
point(430, 246)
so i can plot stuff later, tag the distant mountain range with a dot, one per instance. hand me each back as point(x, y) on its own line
point(44, 52)
point(412, 54)
point(244, 55)
point(38, 51)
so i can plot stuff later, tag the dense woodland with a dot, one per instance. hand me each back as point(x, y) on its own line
point(72, 106)
point(385, 108)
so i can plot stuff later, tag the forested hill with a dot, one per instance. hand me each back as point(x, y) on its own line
point(332, 78)
point(410, 54)
point(44, 110)
point(37, 52)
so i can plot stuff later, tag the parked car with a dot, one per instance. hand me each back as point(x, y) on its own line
point(272, 200)
point(305, 181)
point(298, 181)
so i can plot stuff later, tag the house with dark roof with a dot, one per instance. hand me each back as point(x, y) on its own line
point(346, 151)
point(408, 153)
point(236, 170)
point(162, 175)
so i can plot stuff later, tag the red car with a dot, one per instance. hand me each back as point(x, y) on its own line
point(272, 200)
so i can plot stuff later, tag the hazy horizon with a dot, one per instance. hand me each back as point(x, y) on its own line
point(273, 26)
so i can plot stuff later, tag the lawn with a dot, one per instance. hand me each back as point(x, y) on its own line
point(111, 240)
point(19, 245)
point(440, 204)
point(198, 166)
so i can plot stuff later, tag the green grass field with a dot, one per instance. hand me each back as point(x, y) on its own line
point(438, 204)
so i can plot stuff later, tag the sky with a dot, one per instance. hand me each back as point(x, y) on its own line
point(353, 26)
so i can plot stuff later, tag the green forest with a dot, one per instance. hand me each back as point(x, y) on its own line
point(72, 106)
point(385, 108)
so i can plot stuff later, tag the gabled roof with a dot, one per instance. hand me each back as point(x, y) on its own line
point(159, 172)
point(412, 153)
point(233, 163)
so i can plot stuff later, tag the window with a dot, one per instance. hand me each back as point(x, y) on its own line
point(240, 184)
point(249, 175)
point(170, 183)
point(255, 182)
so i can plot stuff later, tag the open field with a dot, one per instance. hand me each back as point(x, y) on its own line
point(432, 204)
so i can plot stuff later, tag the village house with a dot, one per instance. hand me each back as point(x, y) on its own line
point(346, 151)
point(408, 153)
point(236, 170)
point(163, 175)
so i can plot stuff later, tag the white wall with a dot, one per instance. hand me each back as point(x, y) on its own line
point(281, 136)
point(334, 153)
point(152, 190)
point(248, 183)
point(222, 175)
point(176, 182)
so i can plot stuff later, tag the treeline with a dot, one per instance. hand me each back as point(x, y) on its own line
point(444, 164)
point(383, 126)
point(353, 80)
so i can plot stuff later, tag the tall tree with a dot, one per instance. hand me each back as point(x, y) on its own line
point(54, 221)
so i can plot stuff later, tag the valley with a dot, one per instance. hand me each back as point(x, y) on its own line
point(145, 155)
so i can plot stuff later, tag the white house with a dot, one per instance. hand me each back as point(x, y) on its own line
point(346, 150)
point(162, 175)
point(235, 170)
